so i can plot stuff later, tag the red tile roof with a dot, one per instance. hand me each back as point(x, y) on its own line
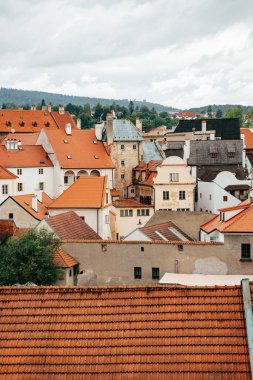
point(168, 230)
point(63, 119)
point(126, 203)
point(241, 222)
point(63, 260)
point(81, 149)
point(70, 226)
point(86, 192)
point(138, 333)
point(248, 137)
point(6, 174)
point(25, 201)
point(25, 138)
point(28, 156)
point(7, 228)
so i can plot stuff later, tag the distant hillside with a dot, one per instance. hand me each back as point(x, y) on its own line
point(24, 97)
point(222, 107)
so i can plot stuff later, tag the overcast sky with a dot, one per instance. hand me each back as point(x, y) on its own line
point(180, 53)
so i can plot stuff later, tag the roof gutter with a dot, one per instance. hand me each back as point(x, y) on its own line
point(247, 306)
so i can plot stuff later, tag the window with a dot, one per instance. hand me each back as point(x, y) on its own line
point(132, 190)
point(126, 213)
point(70, 273)
point(19, 171)
point(213, 155)
point(122, 146)
point(181, 194)
point(155, 273)
point(82, 217)
point(66, 179)
point(142, 249)
point(225, 198)
point(174, 177)
point(200, 195)
point(122, 162)
point(11, 215)
point(137, 272)
point(210, 197)
point(180, 247)
point(134, 147)
point(4, 189)
point(122, 176)
point(143, 212)
point(166, 195)
point(245, 252)
point(107, 197)
point(41, 185)
point(41, 170)
point(106, 219)
point(20, 186)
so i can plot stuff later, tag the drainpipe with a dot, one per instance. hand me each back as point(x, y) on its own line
point(247, 306)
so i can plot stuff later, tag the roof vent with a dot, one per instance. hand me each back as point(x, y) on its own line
point(42, 162)
point(27, 203)
point(69, 157)
point(34, 123)
point(21, 123)
point(96, 157)
point(65, 141)
point(47, 124)
point(95, 142)
point(8, 123)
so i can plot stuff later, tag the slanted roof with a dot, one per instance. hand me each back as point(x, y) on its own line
point(165, 231)
point(226, 129)
point(125, 130)
point(151, 152)
point(28, 156)
point(62, 119)
point(80, 150)
point(144, 332)
point(25, 201)
point(6, 174)
point(64, 260)
point(202, 152)
point(86, 192)
point(248, 137)
point(187, 221)
point(209, 173)
point(239, 223)
point(25, 138)
point(196, 279)
point(69, 225)
point(132, 203)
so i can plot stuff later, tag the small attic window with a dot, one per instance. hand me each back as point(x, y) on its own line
point(65, 141)
point(34, 123)
point(69, 157)
point(95, 142)
point(96, 157)
point(47, 124)
point(8, 123)
point(42, 162)
point(21, 123)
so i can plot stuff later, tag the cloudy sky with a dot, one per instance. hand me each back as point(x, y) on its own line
point(180, 53)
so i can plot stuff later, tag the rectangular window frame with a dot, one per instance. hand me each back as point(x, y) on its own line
point(20, 186)
point(182, 195)
point(246, 252)
point(166, 195)
point(137, 273)
point(155, 273)
point(174, 177)
point(5, 190)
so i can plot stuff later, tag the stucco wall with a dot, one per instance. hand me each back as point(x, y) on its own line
point(113, 263)
point(22, 218)
point(127, 224)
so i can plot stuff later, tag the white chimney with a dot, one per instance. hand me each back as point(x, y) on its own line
point(49, 107)
point(38, 193)
point(78, 123)
point(33, 107)
point(12, 144)
point(61, 109)
point(34, 203)
point(44, 108)
point(68, 129)
point(98, 131)
point(203, 125)
point(138, 124)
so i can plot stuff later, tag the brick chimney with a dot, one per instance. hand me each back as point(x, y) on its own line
point(109, 128)
point(61, 109)
point(78, 123)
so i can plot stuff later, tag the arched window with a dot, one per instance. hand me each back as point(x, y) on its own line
point(95, 173)
point(81, 173)
point(69, 177)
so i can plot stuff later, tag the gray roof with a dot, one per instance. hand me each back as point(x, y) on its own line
point(151, 152)
point(188, 221)
point(216, 152)
point(124, 130)
point(209, 173)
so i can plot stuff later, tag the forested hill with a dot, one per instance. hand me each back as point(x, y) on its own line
point(24, 97)
point(215, 107)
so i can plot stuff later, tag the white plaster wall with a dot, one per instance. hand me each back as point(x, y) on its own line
point(12, 185)
point(127, 224)
point(137, 235)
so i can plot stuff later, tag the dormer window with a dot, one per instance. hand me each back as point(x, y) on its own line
point(34, 124)
point(8, 123)
point(213, 151)
point(21, 123)
point(47, 124)
point(174, 177)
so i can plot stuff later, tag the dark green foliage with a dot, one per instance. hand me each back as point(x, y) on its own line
point(131, 107)
point(209, 111)
point(43, 103)
point(219, 113)
point(29, 258)
point(4, 106)
point(234, 112)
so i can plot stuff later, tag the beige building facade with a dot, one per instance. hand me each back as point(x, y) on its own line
point(174, 186)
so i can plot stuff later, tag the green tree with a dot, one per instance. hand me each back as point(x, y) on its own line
point(4, 106)
point(250, 112)
point(235, 112)
point(98, 111)
point(43, 103)
point(131, 107)
point(219, 113)
point(29, 258)
point(209, 111)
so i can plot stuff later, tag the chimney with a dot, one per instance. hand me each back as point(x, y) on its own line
point(49, 107)
point(61, 109)
point(38, 193)
point(33, 107)
point(203, 125)
point(109, 128)
point(12, 144)
point(138, 124)
point(44, 108)
point(78, 123)
point(68, 129)
point(34, 203)
point(98, 131)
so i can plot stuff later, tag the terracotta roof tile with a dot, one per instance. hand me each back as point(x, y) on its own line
point(151, 332)
point(25, 138)
point(122, 203)
point(70, 226)
point(28, 156)
point(86, 192)
point(62, 119)
point(7, 228)
point(6, 174)
point(248, 137)
point(25, 201)
point(63, 259)
point(81, 148)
